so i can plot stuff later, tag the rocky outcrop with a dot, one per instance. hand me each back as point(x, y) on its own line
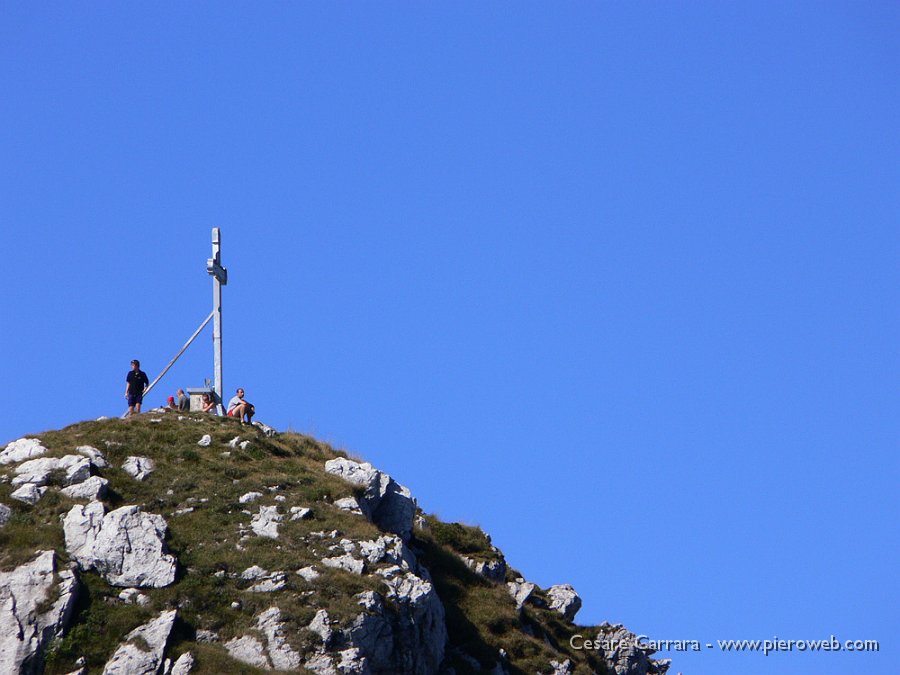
point(276, 653)
point(384, 501)
point(282, 656)
point(5, 513)
point(27, 622)
point(126, 546)
point(625, 656)
point(21, 450)
point(420, 631)
point(143, 649)
point(494, 570)
point(564, 600)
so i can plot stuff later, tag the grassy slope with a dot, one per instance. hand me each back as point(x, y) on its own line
point(481, 617)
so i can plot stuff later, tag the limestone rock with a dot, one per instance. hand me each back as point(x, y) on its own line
point(29, 494)
point(372, 633)
point(252, 573)
point(564, 668)
point(345, 562)
point(627, 657)
point(265, 428)
point(270, 584)
point(265, 523)
point(127, 547)
point(27, 624)
point(495, 569)
point(139, 468)
point(97, 458)
point(321, 626)
point(131, 659)
point(80, 527)
point(564, 600)
point(281, 654)
point(205, 441)
point(388, 549)
point(183, 665)
point(37, 471)
point(521, 591)
point(308, 573)
point(348, 504)
point(249, 497)
point(420, 631)
point(385, 502)
point(21, 450)
point(5, 513)
point(93, 488)
point(249, 650)
point(277, 653)
point(300, 512)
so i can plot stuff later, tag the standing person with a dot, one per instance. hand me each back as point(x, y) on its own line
point(238, 407)
point(184, 402)
point(136, 383)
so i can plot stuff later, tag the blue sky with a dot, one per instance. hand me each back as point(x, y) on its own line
point(616, 281)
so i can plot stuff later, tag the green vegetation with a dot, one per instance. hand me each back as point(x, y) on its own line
point(197, 490)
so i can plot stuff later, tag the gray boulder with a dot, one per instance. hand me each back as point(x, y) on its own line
point(265, 523)
point(97, 458)
point(249, 650)
point(5, 513)
point(564, 600)
point(182, 666)
point(138, 468)
point(130, 658)
point(126, 546)
point(28, 494)
point(93, 488)
point(27, 623)
point(521, 591)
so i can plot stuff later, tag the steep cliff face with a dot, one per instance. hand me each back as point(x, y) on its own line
point(172, 543)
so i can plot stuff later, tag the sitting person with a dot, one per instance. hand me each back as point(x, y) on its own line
point(184, 402)
point(170, 404)
point(238, 407)
point(208, 404)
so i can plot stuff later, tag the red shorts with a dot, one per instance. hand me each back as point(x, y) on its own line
point(231, 412)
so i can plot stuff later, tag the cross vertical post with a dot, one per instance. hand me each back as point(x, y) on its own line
point(220, 278)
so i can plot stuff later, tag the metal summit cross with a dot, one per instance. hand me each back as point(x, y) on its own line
point(220, 278)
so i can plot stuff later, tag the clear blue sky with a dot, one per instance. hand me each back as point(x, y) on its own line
point(616, 281)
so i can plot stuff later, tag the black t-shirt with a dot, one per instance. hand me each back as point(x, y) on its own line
point(137, 381)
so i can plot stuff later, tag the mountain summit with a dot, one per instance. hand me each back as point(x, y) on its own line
point(185, 543)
